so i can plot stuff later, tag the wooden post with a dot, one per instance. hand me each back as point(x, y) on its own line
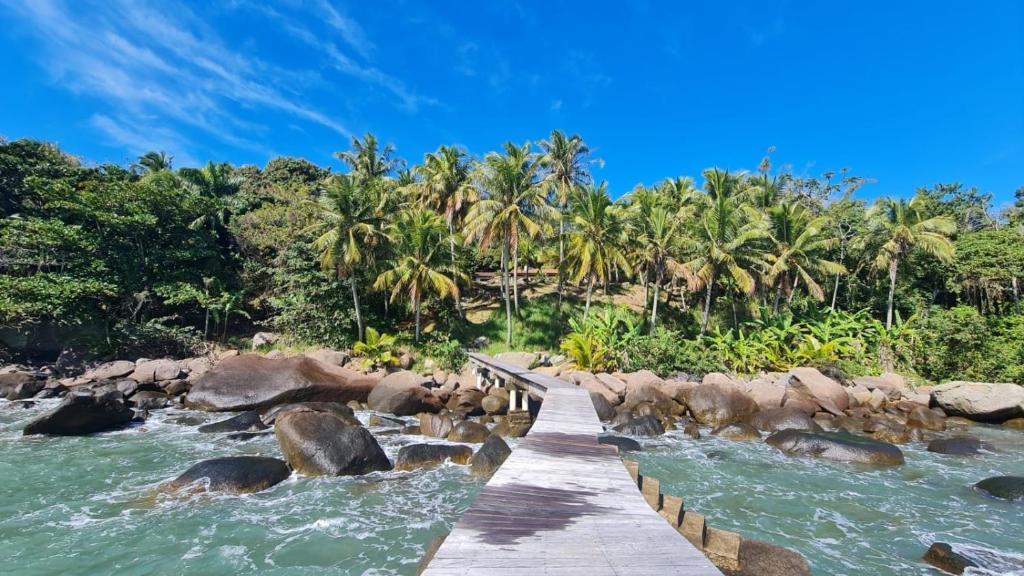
point(693, 528)
point(672, 509)
point(634, 471)
point(651, 489)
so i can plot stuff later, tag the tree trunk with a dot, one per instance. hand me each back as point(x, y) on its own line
point(206, 324)
point(654, 304)
point(647, 292)
point(224, 336)
point(792, 291)
point(507, 293)
point(515, 277)
point(590, 292)
point(355, 303)
point(835, 290)
point(561, 255)
point(417, 305)
point(1016, 290)
point(451, 245)
point(707, 305)
point(893, 266)
point(778, 296)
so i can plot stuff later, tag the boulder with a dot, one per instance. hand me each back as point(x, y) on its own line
point(621, 442)
point(1014, 424)
point(261, 339)
point(330, 357)
point(717, 379)
point(526, 360)
point(887, 429)
point(776, 419)
point(318, 443)
point(605, 411)
point(926, 418)
point(251, 382)
point(469, 432)
point(467, 401)
point(642, 426)
point(642, 378)
point(678, 389)
point(801, 400)
point(891, 388)
point(435, 425)
point(490, 456)
point(403, 393)
point(767, 394)
point(406, 360)
point(617, 386)
point(175, 387)
point(716, 404)
point(82, 413)
point(235, 474)
point(827, 392)
point(839, 446)
point(111, 370)
point(341, 411)
point(156, 371)
point(737, 431)
point(512, 428)
point(649, 394)
point(942, 556)
point(493, 404)
point(1002, 487)
point(150, 400)
point(594, 386)
point(980, 401)
point(759, 558)
point(18, 385)
point(196, 366)
point(692, 430)
point(244, 422)
point(416, 456)
point(957, 446)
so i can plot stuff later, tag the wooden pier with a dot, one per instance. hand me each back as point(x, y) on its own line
point(562, 503)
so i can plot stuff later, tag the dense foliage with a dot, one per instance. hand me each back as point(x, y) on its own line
point(741, 271)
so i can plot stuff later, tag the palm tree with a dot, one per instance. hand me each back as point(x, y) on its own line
point(798, 239)
point(368, 161)
point(217, 185)
point(597, 239)
point(419, 268)
point(512, 205)
point(446, 186)
point(660, 238)
point(726, 233)
point(153, 161)
point(564, 160)
point(350, 227)
point(903, 227)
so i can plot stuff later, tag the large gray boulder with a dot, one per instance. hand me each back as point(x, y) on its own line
point(252, 382)
point(521, 359)
point(416, 456)
point(244, 422)
point(839, 446)
point(18, 385)
point(717, 404)
point(83, 412)
point(338, 410)
point(776, 419)
point(403, 393)
point(1002, 487)
point(320, 444)
point(642, 426)
point(110, 370)
point(827, 392)
point(235, 474)
point(980, 401)
point(156, 371)
point(490, 456)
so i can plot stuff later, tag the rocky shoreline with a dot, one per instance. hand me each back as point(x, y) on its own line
point(307, 402)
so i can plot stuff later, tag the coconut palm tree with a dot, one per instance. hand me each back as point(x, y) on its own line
point(153, 161)
point(446, 185)
point(350, 226)
point(799, 241)
point(661, 237)
point(903, 227)
point(726, 232)
point(597, 240)
point(512, 205)
point(419, 268)
point(564, 159)
point(368, 160)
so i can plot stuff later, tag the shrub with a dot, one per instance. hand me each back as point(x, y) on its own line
point(448, 354)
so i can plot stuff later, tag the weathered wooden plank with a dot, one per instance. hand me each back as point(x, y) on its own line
point(563, 504)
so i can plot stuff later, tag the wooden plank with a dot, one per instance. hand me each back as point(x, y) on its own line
point(563, 504)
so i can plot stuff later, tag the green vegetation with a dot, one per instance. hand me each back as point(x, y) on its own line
point(741, 271)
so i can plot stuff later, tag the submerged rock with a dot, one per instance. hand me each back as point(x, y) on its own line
point(1002, 487)
point(403, 394)
point(959, 446)
point(237, 474)
point(83, 413)
point(318, 443)
point(621, 442)
point(980, 401)
point(244, 422)
point(839, 446)
point(1014, 424)
point(941, 556)
point(252, 382)
point(470, 432)
point(416, 456)
point(490, 456)
point(642, 426)
point(737, 431)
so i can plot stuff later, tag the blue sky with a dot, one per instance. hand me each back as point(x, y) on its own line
point(906, 93)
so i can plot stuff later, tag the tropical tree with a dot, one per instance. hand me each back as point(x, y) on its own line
point(597, 240)
point(419, 268)
point(368, 160)
point(800, 241)
point(564, 159)
point(659, 240)
point(446, 185)
point(350, 226)
point(903, 227)
point(726, 232)
point(512, 205)
point(154, 161)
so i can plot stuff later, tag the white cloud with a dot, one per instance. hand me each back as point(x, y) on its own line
point(350, 30)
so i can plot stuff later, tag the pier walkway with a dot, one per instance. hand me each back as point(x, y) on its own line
point(562, 503)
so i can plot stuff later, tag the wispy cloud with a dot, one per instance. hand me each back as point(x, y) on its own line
point(157, 68)
point(350, 30)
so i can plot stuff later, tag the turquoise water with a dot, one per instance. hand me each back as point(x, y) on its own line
point(86, 506)
point(850, 520)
